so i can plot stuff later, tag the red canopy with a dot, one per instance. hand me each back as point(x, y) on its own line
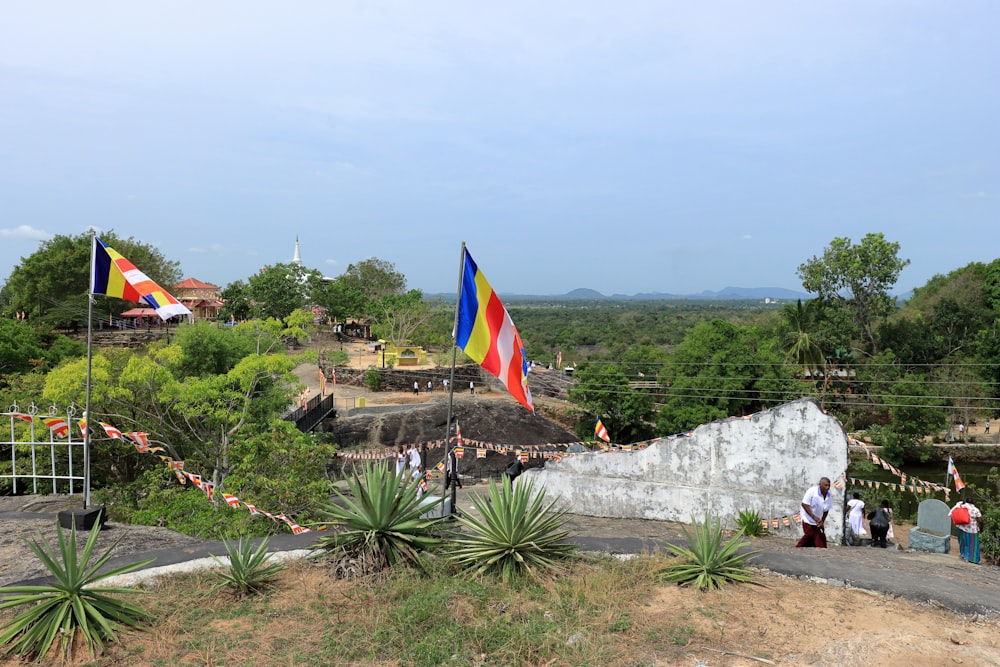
point(140, 312)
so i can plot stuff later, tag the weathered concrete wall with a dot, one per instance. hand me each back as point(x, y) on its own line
point(764, 462)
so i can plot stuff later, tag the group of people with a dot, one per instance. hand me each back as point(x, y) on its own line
point(408, 458)
point(444, 383)
point(879, 522)
point(817, 502)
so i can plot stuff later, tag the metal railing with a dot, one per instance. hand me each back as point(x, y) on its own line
point(38, 452)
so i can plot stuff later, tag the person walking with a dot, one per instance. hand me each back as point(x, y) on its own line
point(472, 387)
point(878, 522)
point(416, 387)
point(969, 521)
point(451, 471)
point(856, 518)
point(816, 504)
point(415, 461)
point(430, 386)
point(400, 461)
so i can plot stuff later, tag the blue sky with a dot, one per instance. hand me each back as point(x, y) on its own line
point(625, 147)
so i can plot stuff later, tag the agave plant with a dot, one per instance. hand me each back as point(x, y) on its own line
point(248, 571)
point(72, 605)
point(380, 524)
point(751, 523)
point(518, 533)
point(709, 562)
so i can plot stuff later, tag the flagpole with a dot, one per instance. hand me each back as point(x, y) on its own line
point(90, 360)
point(451, 388)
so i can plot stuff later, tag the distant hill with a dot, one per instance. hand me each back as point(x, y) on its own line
point(725, 294)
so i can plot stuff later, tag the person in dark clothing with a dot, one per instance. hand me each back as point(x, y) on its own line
point(451, 472)
point(514, 470)
point(878, 522)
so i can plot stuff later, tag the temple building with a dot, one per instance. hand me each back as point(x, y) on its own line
point(202, 299)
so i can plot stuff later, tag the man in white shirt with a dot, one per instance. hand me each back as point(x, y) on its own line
point(816, 505)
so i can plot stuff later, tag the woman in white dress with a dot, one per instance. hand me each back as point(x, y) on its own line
point(856, 516)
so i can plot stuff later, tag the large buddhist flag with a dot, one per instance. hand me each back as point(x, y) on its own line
point(115, 276)
point(487, 335)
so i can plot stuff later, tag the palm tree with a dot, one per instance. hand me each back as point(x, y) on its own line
point(800, 346)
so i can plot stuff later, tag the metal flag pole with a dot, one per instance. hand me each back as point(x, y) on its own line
point(90, 360)
point(451, 390)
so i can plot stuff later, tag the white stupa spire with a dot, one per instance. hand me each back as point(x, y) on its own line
point(297, 258)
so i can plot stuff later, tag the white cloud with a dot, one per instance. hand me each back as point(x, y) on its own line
point(976, 195)
point(215, 248)
point(747, 237)
point(25, 232)
point(331, 262)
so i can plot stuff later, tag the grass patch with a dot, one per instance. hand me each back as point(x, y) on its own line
point(593, 612)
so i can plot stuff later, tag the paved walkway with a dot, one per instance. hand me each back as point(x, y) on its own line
point(939, 579)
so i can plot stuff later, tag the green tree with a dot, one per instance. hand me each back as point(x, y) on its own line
point(603, 389)
point(278, 290)
point(50, 284)
point(20, 348)
point(25, 348)
point(858, 277)
point(912, 342)
point(197, 417)
point(398, 316)
point(720, 370)
point(914, 417)
point(800, 345)
point(373, 279)
point(210, 350)
point(237, 304)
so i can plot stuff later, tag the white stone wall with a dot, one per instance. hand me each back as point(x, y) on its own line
point(764, 462)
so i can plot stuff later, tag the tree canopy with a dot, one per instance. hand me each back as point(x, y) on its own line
point(857, 276)
point(196, 396)
point(51, 284)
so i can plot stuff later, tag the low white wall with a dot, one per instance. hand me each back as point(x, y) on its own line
point(764, 462)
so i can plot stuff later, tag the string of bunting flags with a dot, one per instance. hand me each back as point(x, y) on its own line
point(60, 427)
point(906, 482)
point(464, 445)
point(524, 452)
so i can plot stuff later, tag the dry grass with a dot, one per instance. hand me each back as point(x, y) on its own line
point(600, 612)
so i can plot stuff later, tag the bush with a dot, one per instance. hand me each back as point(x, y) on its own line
point(189, 511)
point(278, 470)
point(72, 605)
point(751, 524)
point(517, 535)
point(379, 525)
point(340, 358)
point(373, 379)
point(248, 571)
point(709, 563)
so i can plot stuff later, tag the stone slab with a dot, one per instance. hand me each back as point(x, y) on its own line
point(921, 541)
point(932, 517)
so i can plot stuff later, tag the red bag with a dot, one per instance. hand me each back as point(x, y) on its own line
point(960, 516)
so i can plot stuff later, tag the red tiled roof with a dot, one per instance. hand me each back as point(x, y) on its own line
point(194, 283)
